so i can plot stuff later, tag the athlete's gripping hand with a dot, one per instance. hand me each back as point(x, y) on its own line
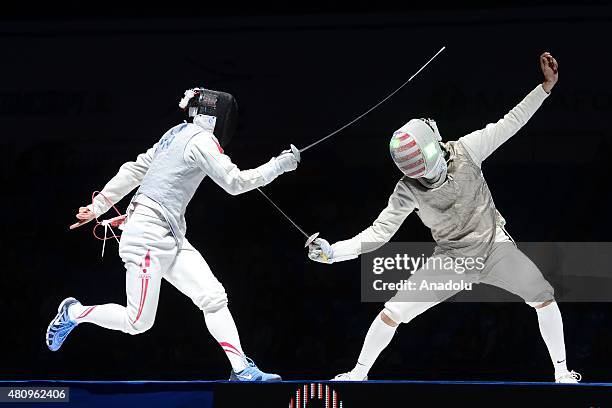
point(83, 216)
point(320, 251)
point(550, 69)
point(288, 160)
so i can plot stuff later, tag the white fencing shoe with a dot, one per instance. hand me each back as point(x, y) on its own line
point(349, 377)
point(568, 377)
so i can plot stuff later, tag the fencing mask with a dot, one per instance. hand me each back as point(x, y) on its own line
point(415, 149)
point(219, 109)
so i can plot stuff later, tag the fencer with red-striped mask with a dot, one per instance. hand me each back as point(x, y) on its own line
point(153, 245)
point(444, 184)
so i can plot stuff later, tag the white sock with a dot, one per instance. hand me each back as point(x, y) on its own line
point(551, 328)
point(379, 336)
point(222, 327)
point(109, 316)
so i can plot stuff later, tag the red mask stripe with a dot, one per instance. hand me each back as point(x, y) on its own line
point(412, 165)
point(408, 156)
point(406, 146)
point(417, 172)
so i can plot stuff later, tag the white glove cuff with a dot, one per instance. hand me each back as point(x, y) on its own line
point(343, 251)
point(269, 171)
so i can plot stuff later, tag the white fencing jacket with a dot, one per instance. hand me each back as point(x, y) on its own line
point(479, 145)
point(202, 151)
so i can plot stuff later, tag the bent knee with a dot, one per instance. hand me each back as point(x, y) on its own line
point(214, 303)
point(139, 326)
point(541, 304)
point(542, 294)
point(404, 312)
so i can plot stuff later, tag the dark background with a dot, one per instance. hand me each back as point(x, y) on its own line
point(82, 92)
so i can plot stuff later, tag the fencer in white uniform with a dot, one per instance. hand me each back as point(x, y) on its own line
point(444, 185)
point(153, 244)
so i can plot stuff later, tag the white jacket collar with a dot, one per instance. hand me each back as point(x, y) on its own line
point(205, 122)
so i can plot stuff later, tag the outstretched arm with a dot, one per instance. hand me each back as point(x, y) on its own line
point(128, 177)
point(401, 204)
point(204, 152)
point(481, 143)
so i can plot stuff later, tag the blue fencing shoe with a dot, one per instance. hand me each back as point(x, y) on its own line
point(252, 373)
point(61, 325)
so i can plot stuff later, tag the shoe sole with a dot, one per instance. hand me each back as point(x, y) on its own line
point(59, 311)
point(235, 379)
point(341, 380)
point(268, 381)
